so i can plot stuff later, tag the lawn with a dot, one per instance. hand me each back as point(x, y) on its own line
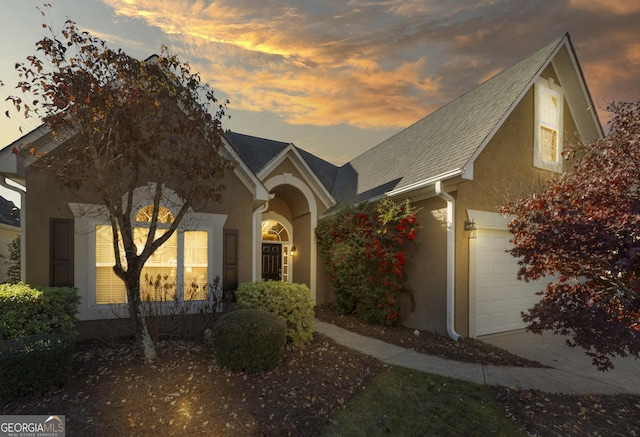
point(323, 390)
point(404, 402)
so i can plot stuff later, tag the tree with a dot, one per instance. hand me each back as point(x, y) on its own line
point(125, 124)
point(585, 228)
point(13, 261)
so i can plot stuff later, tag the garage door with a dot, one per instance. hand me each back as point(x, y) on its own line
point(500, 296)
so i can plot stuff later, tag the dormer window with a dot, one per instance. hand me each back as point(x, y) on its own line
point(549, 104)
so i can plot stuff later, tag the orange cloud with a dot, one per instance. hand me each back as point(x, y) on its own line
point(616, 7)
point(272, 61)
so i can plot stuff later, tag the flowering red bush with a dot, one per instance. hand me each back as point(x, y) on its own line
point(363, 250)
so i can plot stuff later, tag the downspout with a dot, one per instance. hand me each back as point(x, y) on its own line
point(23, 242)
point(451, 259)
point(257, 239)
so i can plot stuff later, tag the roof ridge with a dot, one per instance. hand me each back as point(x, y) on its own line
point(446, 139)
point(556, 40)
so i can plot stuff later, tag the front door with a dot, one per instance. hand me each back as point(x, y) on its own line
point(271, 262)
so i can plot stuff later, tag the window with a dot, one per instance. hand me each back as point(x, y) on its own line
point(548, 125)
point(182, 260)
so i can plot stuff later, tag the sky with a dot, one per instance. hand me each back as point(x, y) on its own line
point(338, 77)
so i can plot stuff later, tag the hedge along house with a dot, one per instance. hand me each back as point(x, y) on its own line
point(458, 164)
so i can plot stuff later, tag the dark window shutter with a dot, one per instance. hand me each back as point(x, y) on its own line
point(230, 279)
point(61, 253)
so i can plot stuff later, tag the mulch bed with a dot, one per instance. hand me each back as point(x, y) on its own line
point(465, 349)
point(112, 393)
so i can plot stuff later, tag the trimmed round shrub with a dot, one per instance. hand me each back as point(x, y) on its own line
point(34, 364)
point(291, 302)
point(249, 339)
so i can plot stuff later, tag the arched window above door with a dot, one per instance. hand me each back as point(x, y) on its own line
point(273, 230)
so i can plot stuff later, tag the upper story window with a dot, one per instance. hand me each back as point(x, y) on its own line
point(549, 104)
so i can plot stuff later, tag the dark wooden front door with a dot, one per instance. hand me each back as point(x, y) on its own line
point(271, 262)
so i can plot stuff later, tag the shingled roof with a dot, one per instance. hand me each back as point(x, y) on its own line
point(258, 152)
point(444, 141)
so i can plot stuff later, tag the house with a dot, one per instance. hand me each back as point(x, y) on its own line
point(499, 140)
point(9, 231)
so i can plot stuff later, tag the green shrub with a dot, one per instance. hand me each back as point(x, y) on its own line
point(291, 302)
point(249, 339)
point(30, 311)
point(34, 364)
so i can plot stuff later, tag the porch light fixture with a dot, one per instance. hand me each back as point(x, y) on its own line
point(470, 228)
point(293, 251)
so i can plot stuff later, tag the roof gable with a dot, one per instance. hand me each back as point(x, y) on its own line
point(255, 152)
point(263, 155)
point(445, 143)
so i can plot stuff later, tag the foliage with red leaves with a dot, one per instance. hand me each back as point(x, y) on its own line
point(584, 227)
point(363, 251)
point(117, 124)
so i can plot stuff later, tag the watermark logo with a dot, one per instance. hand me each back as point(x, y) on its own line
point(32, 426)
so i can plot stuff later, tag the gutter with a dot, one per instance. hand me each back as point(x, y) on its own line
point(23, 242)
point(425, 183)
point(451, 258)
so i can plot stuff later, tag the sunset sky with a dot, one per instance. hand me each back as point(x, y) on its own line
point(337, 77)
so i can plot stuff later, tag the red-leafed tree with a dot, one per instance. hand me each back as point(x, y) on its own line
point(123, 124)
point(584, 227)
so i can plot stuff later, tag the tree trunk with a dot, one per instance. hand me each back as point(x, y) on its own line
point(145, 343)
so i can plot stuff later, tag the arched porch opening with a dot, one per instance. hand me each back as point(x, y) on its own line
point(292, 210)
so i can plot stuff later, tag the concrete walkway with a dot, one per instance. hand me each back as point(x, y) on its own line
point(552, 380)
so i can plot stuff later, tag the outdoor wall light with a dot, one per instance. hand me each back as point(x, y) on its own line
point(470, 228)
point(293, 251)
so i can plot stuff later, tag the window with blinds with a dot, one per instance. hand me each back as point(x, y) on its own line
point(167, 274)
point(109, 288)
point(196, 256)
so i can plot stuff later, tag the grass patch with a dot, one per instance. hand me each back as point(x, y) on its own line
point(408, 402)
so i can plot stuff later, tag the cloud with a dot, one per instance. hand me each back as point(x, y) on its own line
point(273, 57)
point(616, 7)
point(379, 63)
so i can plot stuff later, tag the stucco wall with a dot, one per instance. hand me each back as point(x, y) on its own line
point(426, 269)
point(237, 203)
point(503, 171)
point(46, 199)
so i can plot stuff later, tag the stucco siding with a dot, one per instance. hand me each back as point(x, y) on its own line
point(426, 269)
point(46, 200)
point(503, 171)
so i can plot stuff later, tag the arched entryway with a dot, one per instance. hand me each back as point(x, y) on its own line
point(291, 209)
point(277, 238)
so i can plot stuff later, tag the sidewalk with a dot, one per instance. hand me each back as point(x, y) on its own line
point(550, 380)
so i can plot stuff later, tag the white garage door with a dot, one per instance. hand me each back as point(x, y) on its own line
point(499, 296)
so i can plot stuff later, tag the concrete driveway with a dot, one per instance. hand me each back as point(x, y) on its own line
point(551, 350)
